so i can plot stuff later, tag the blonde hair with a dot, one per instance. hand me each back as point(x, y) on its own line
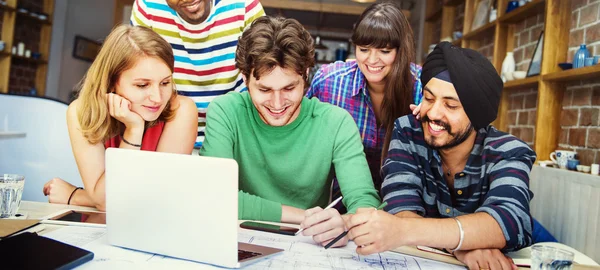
point(121, 49)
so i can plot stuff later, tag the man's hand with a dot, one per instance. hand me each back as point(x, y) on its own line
point(492, 259)
point(324, 226)
point(375, 231)
point(58, 190)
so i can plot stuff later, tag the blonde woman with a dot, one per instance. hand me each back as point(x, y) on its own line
point(127, 100)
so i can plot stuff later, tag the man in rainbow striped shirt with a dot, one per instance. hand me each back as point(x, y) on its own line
point(204, 36)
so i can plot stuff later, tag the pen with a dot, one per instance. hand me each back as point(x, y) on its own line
point(329, 206)
point(346, 232)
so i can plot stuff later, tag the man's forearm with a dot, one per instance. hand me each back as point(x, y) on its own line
point(480, 231)
point(291, 214)
point(407, 214)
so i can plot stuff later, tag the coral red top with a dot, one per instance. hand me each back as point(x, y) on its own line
point(149, 140)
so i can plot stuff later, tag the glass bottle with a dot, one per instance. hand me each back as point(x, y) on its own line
point(580, 55)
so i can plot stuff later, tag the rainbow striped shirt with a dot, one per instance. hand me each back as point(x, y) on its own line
point(204, 53)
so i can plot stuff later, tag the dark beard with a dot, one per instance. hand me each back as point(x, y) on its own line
point(458, 139)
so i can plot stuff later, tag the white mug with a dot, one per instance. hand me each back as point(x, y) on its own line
point(561, 157)
point(595, 169)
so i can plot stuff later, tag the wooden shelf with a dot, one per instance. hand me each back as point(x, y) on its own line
point(453, 3)
point(457, 42)
point(31, 60)
point(477, 32)
point(522, 83)
point(518, 15)
point(7, 8)
point(573, 74)
point(36, 19)
point(434, 15)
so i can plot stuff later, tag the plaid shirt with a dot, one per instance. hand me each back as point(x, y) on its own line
point(344, 85)
point(495, 180)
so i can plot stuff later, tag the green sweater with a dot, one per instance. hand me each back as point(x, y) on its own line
point(293, 164)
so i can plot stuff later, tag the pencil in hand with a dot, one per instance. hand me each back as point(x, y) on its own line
point(332, 204)
point(342, 235)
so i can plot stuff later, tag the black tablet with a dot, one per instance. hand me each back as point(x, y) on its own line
point(79, 217)
point(30, 251)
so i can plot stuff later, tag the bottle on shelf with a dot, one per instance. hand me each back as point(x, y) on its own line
point(508, 67)
point(580, 56)
point(21, 49)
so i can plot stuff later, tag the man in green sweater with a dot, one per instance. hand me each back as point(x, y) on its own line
point(288, 147)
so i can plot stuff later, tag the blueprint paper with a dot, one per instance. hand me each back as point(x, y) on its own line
point(301, 252)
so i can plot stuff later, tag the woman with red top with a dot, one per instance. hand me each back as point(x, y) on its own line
point(127, 100)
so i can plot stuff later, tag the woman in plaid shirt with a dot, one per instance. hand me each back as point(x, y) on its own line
point(380, 85)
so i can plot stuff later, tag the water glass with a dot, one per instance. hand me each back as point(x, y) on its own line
point(11, 190)
point(550, 258)
point(589, 61)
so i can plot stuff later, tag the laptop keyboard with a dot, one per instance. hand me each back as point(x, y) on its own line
point(243, 254)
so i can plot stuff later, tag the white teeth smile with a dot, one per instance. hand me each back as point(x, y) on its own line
point(278, 111)
point(193, 6)
point(436, 127)
point(374, 69)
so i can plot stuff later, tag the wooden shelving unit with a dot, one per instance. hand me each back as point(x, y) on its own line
point(522, 83)
point(522, 13)
point(7, 8)
point(573, 74)
point(30, 60)
point(433, 15)
point(480, 31)
point(453, 2)
point(550, 83)
point(9, 24)
point(31, 17)
point(457, 42)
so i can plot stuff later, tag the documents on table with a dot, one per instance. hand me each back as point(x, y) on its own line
point(301, 252)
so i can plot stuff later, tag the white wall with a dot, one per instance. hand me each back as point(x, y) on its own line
point(59, 20)
point(92, 19)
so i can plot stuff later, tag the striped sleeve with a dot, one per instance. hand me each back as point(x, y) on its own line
point(507, 200)
point(254, 10)
point(139, 15)
point(402, 187)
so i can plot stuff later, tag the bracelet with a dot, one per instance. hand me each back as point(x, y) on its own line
point(72, 193)
point(462, 236)
point(132, 144)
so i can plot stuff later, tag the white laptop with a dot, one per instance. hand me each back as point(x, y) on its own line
point(181, 206)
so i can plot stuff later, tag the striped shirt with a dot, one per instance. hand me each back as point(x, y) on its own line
point(344, 85)
point(204, 53)
point(495, 180)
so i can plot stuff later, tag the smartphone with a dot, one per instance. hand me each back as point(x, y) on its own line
point(82, 218)
point(268, 228)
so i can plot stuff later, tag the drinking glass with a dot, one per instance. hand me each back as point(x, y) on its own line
point(550, 258)
point(11, 190)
